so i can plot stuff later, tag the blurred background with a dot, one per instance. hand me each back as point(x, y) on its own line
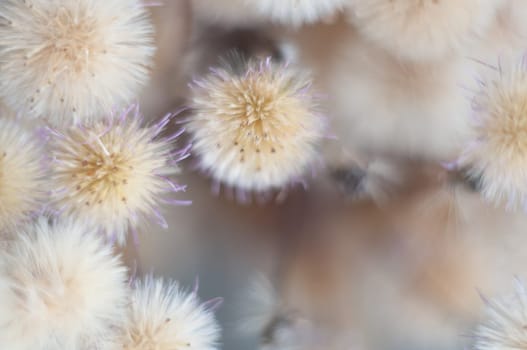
point(401, 267)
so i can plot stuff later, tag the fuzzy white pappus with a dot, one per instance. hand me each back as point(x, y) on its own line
point(497, 151)
point(423, 30)
point(255, 128)
point(70, 61)
point(61, 287)
point(505, 321)
point(115, 173)
point(164, 317)
point(259, 305)
point(22, 173)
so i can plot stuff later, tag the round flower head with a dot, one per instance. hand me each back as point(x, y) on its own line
point(61, 287)
point(255, 129)
point(112, 173)
point(423, 29)
point(72, 60)
point(498, 152)
point(504, 325)
point(21, 173)
point(163, 317)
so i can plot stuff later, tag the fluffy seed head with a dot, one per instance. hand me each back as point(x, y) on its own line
point(163, 317)
point(255, 129)
point(423, 29)
point(21, 173)
point(61, 287)
point(504, 324)
point(113, 173)
point(497, 153)
point(72, 60)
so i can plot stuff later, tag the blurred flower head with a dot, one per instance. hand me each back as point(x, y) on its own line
point(163, 317)
point(504, 325)
point(70, 61)
point(22, 173)
point(255, 125)
point(296, 12)
point(497, 154)
point(114, 173)
point(422, 30)
point(279, 326)
point(259, 305)
point(248, 12)
point(61, 287)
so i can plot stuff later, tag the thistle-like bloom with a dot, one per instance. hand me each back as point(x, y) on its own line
point(504, 325)
point(61, 287)
point(22, 173)
point(163, 317)
point(113, 173)
point(423, 29)
point(255, 129)
point(73, 60)
point(497, 153)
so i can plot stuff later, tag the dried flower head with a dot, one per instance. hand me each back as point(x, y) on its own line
point(504, 324)
point(163, 317)
point(113, 173)
point(21, 173)
point(497, 154)
point(61, 287)
point(72, 60)
point(423, 29)
point(255, 129)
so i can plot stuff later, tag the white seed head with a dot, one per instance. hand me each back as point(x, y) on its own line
point(423, 30)
point(163, 317)
point(22, 173)
point(112, 173)
point(497, 153)
point(70, 61)
point(255, 129)
point(504, 327)
point(61, 287)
